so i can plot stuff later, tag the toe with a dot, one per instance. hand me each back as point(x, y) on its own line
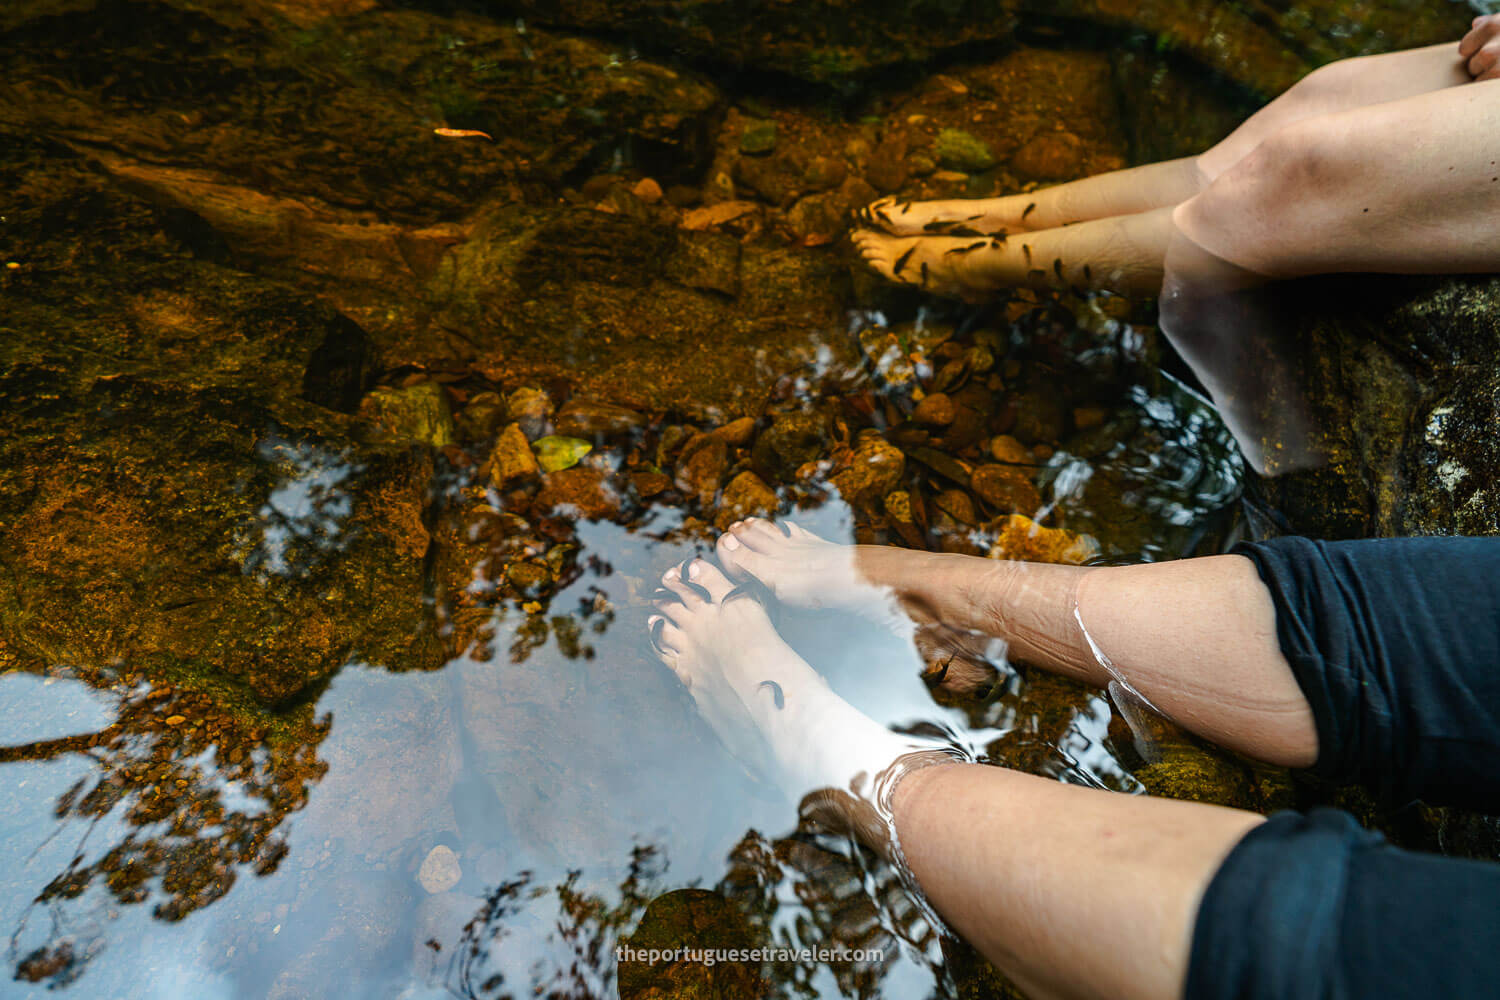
point(689, 591)
point(759, 535)
point(708, 576)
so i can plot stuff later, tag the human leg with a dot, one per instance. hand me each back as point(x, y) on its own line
point(1196, 637)
point(1121, 254)
point(1336, 87)
point(1409, 187)
point(1071, 891)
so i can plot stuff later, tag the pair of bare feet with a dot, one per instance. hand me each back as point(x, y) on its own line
point(959, 249)
point(770, 708)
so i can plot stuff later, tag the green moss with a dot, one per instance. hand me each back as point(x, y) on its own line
point(960, 150)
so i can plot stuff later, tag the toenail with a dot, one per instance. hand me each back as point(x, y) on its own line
point(731, 543)
point(670, 574)
point(695, 570)
point(653, 620)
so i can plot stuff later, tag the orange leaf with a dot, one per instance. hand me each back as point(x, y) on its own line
point(462, 133)
point(715, 215)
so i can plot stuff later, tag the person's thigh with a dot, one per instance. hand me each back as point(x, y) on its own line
point(1342, 86)
point(1410, 186)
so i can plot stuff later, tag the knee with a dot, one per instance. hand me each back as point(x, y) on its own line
point(1265, 196)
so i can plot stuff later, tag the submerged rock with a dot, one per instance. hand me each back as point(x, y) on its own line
point(581, 491)
point(512, 459)
point(875, 470)
point(747, 495)
point(418, 414)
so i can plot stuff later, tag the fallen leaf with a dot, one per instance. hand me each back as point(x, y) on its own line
point(176, 720)
point(555, 453)
point(716, 215)
point(462, 133)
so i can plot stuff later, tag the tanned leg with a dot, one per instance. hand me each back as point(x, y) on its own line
point(1340, 86)
point(1197, 637)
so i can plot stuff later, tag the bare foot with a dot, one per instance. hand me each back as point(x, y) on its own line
point(957, 217)
point(961, 268)
point(765, 703)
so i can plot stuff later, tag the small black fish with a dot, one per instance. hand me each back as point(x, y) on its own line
point(901, 261)
point(776, 694)
point(935, 677)
point(905, 207)
point(1029, 209)
point(938, 227)
point(1088, 275)
point(1036, 274)
point(1057, 268)
point(964, 231)
point(1026, 249)
point(999, 235)
point(924, 274)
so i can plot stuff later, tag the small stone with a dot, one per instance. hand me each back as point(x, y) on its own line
point(960, 150)
point(581, 491)
point(1007, 449)
point(824, 173)
point(527, 578)
point(736, 433)
point(720, 187)
point(935, 411)
point(417, 413)
point(702, 469)
point(958, 505)
point(512, 459)
point(1053, 156)
point(747, 495)
point(759, 137)
point(176, 720)
point(647, 190)
point(792, 440)
point(531, 408)
point(952, 376)
point(481, 417)
point(1088, 417)
point(583, 418)
point(1019, 537)
point(876, 469)
point(888, 167)
point(649, 484)
point(1006, 488)
point(898, 506)
point(440, 870)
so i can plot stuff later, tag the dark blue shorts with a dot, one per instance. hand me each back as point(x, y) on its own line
point(1396, 644)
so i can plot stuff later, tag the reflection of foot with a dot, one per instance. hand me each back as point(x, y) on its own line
point(892, 586)
point(797, 567)
point(761, 698)
point(960, 217)
point(943, 265)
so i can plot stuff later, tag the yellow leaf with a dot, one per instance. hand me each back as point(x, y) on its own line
point(555, 452)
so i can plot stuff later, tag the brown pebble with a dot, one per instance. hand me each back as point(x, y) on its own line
point(647, 190)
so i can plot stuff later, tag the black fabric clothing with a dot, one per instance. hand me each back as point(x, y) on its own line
point(1396, 645)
